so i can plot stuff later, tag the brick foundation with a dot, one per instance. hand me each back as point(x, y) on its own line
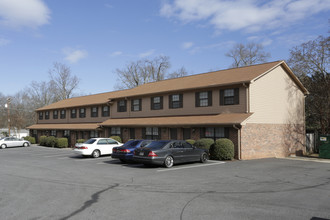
point(271, 140)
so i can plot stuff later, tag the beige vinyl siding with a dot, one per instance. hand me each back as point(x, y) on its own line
point(275, 99)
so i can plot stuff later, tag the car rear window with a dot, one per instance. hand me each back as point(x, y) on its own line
point(131, 143)
point(157, 144)
point(90, 141)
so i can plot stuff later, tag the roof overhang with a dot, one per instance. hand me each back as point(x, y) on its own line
point(180, 121)
point(87, 126)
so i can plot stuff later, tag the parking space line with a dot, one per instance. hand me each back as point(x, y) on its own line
point(187, 167)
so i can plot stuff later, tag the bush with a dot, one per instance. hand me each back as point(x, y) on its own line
point(204, 143)
point(31, 139)
point(80, 141)
point(222, 149)
point(43, 140)
point(191, 141)
point(117, 138)
point(62, 142)
point(51, 141)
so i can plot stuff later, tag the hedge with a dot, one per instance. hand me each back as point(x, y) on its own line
point(51, 141)
point(222, 149)
point(31, 139)
point(43, 140)
point(117, 138)
point(80, 140)
point(191, 141)
point(204, 143)
point(62, 142)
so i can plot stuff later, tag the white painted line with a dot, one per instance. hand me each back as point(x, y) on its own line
point(308, 159)
point(187, 167)
point(90, 159)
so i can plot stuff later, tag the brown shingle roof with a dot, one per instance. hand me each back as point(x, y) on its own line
point(91, 126)
point(209, 120)
point(211, 79)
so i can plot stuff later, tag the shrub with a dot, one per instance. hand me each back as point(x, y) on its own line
point(80, 140)
point(62, 142)
point(117, 138)
point(51, 141)
point(204, 143)
point(31, 139)
point(222, 149)
point(43, 140)
point(191, 141)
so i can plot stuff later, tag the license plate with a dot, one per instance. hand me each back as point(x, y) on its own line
point(141, 153)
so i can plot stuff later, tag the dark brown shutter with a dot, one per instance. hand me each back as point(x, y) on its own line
point(236, 96)
point(132, 107)
point(209, 97)
point(140, 104)
point(161, 102)
point(226, 132)
point(222, 97)
point(181, 100)
point(152, 103)
point(144, 133)
point(197, 103)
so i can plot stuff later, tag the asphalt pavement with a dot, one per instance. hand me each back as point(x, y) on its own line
point(46, 183)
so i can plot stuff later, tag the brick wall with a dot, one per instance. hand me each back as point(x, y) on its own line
point(271, 140)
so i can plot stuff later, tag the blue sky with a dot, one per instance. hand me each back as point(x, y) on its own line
point(95, 37)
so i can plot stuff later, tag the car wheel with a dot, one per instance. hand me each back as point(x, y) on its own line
point(25, 144)
point(203, 158)
point(96, 153)
point(122, 160)
point(3, 146)
point(168, 162)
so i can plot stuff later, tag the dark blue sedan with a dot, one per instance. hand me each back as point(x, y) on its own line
point(125, 152)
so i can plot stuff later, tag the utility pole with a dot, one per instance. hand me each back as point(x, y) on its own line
point(8, 114)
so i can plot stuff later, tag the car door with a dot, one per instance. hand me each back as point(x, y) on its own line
point(190, 152)
point(177, 151)
point(102, 145)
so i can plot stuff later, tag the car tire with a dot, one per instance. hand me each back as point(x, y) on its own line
point(25, 144)
point(96, 154)
point(168, 162)
point(203, 157)
point(122, 160)
point(3, 146)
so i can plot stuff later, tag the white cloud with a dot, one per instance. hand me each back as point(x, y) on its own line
point(24, 13)
point(116, 53)
point(4, 42)
point(73, 55)
point(187, 45)
point(248, 15)
point(147, 53)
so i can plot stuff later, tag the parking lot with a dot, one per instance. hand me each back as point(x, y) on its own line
point(47, 183)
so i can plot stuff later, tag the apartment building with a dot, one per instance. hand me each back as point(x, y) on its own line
point(260, 108)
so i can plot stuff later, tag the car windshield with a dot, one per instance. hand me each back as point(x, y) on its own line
point(131, 143)
point(90, 141)
point(157, 144)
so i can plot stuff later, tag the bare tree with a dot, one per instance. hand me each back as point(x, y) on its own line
point(310, 62)
point(145, 71)
point(64, 82)
point(244, 55)
point(41, 93)
point(179, 73)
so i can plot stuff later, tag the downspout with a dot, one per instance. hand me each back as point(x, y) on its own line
point(247, 107)
point(239, 150)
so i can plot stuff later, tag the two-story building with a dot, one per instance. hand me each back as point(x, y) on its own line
point(260, 108)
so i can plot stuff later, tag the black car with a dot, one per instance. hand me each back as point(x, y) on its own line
point(169, 152)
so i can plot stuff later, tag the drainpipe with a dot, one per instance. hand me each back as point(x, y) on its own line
point(247, 97)
point(238, 128)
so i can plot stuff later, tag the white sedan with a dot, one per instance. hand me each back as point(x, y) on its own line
point(13, 142)
point(96, 147)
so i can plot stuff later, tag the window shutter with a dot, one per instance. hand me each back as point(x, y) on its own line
point(202, 132)
point(222, 97)
point(209, 97)
point(181, 100)
point(143, 133)
point(140, 104)
point(226, 132)
point(197, 104)
point(170, 101)
point(236, 96)
point(132, 107)
point(152, 103)
point(118, 106)
point(161, 102)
